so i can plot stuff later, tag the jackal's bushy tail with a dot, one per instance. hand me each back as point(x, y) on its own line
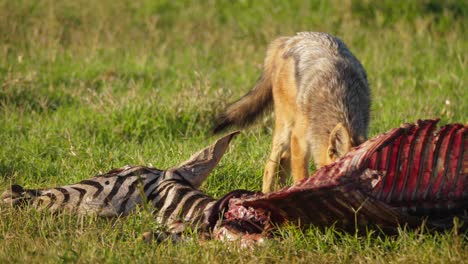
point(249, 107)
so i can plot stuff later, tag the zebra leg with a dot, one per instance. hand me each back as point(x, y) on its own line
point(174, 233)
point(161, 236)
point(18, 196)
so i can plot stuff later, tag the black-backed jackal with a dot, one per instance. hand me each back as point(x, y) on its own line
point(321, 101)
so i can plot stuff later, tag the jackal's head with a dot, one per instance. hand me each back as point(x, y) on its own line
point(340, 142)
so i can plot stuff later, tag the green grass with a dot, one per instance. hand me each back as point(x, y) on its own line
point(87, 86)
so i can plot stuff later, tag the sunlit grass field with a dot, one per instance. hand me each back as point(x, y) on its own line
point(87, 86)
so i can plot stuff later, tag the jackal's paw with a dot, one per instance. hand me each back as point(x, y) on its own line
point(14, 196)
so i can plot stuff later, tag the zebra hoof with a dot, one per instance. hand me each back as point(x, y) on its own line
point(147, 237)
point(14, 196)
point(159, 237)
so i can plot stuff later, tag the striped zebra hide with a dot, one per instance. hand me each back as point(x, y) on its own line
point(405, 177)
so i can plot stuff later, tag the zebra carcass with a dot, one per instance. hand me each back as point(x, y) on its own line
point(404, 177)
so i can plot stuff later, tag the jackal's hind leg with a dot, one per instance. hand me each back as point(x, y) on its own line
point(280, 148)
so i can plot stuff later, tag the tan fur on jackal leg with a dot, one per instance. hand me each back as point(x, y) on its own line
point(300, 150)
point(280, 147)
point(280, 159)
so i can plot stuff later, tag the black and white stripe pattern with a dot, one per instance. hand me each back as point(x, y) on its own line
point(176, 200)
point(120, 191)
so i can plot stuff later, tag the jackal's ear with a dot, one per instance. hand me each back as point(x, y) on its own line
point(340, 142)
point(199, 165)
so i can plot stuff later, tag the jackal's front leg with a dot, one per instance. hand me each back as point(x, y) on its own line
point(284, 168)
point(300, 150)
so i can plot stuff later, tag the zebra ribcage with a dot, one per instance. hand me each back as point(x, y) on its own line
point(424, 172)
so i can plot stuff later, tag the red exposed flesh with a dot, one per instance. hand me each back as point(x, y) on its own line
point(246, 214)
